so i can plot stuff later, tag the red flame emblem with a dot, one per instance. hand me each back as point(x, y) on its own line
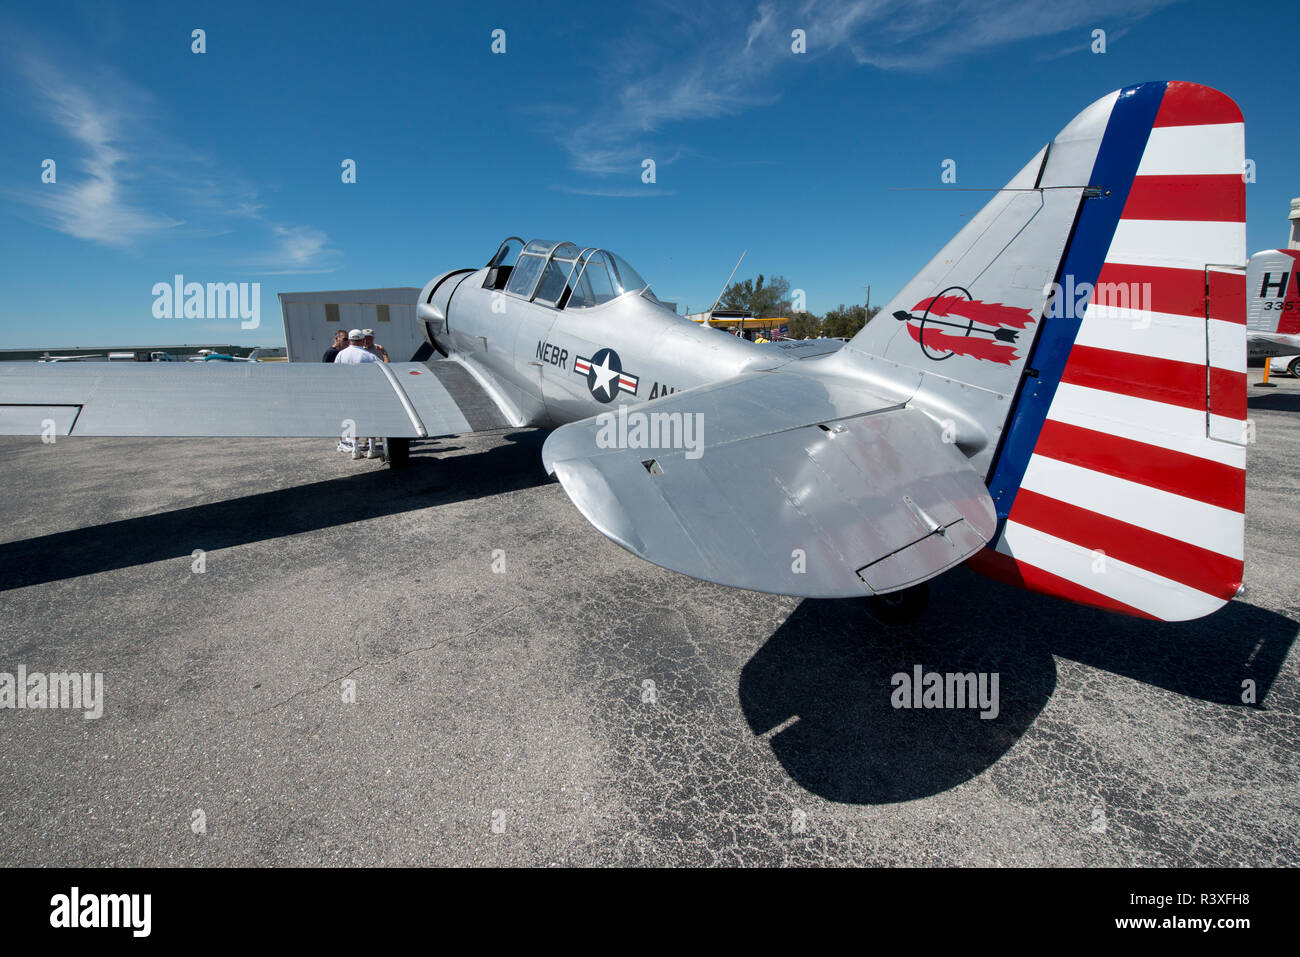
point(948, 325)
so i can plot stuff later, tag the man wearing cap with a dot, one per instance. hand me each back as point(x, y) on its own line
point(355, 354)
point(369, 344)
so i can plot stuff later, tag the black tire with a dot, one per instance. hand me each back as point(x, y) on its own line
point(399, 453)
point(1294, 368)
point(901, 607)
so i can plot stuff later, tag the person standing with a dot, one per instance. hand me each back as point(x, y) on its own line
point(368, 343)
point(373, 347)
point(340, 343)
point(356, 354)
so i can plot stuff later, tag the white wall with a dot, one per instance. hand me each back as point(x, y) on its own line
point(308, 333)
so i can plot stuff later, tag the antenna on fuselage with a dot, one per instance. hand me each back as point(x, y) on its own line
point(726, 285)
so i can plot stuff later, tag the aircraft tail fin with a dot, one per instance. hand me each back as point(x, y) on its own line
point(1273, 295)
point(1084, 339)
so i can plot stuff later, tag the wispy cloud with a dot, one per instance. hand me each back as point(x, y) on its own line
point(725, 61)
point(297, 249)
point(929, 34)
point(95, 205)
point(645, 192)
point(122, 180)
point(1111, 37)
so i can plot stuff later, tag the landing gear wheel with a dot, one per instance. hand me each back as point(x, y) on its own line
point(399, 453)
point(901, 607)
point(1293, 368)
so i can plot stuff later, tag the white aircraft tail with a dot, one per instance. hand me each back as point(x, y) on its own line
point(1273, 300)
point(1083, 339)
point(1058, 397)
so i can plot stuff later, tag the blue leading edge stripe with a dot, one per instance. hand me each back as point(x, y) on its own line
point(1117, 162)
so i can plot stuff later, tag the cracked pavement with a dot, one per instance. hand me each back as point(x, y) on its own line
point(583, 706)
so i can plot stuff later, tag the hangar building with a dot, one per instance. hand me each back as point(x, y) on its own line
point(312, 318)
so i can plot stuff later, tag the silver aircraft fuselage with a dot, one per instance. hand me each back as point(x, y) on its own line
point(548, 366)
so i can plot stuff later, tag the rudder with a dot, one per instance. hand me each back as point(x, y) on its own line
point(1120, 482)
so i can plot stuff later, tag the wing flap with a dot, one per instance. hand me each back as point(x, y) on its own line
point(828, 492)
point(37, 419)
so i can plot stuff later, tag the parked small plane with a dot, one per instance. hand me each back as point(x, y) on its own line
point(1058, 397)
point(1273, 307)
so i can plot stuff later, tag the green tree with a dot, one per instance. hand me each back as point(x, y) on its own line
point(769, 298)
point(764, 300)
point(847, 321)
point(803, 325)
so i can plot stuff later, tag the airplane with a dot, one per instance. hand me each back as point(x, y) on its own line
point(1057, 399)
point(1273, 308)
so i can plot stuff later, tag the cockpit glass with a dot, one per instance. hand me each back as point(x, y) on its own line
point(562, 275)
point(506, 252)
point(553, 281)
point(626, 279)
point(524, 276)
point(593, 286)
point(555, 278)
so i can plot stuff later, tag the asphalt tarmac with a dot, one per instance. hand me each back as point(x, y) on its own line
point(343, 678)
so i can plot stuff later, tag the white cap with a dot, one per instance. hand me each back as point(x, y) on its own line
point(356, 334)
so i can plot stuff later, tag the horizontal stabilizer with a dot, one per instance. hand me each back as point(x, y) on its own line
point(778, 482)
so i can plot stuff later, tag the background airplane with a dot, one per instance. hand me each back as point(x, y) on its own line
point(1273, 308)
point(999, 410)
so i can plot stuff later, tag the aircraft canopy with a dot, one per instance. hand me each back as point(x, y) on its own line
point(562, 275)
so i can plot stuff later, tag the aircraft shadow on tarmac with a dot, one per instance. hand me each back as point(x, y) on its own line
point(372, 493)
point(830, 666)
point(1275, 401)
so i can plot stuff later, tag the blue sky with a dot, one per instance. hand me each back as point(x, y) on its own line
point(225, 166)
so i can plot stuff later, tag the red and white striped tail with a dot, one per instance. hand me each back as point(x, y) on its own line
point(1133, 497)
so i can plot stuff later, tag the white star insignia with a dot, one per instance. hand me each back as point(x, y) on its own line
point(603, 374)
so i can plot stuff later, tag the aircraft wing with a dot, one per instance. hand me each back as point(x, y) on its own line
point(787, 483)
point(1262, 346)
point(274, 399)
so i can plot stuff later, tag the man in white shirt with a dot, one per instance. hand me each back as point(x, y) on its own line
point(355, 354)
